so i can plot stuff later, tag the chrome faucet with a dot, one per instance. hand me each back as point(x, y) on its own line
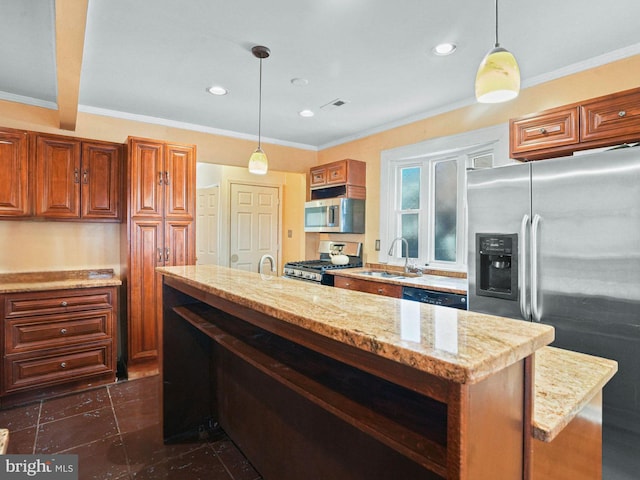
point(406, 246)
point(272, 261)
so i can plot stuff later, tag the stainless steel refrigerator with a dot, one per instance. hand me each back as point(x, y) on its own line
point(558, 242)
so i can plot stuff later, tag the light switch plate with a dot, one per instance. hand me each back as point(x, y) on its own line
point(377, 245)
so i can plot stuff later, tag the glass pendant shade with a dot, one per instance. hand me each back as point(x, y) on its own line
point(258, 163)
point(498, 77)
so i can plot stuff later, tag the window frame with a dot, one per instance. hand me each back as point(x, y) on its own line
point(463, 148)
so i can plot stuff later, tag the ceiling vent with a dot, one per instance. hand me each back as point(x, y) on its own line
point(333, 104)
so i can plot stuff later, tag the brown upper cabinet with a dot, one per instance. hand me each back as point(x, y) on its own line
point(14, 166)
point(101, 181)
point(598, 122)
point(162, 179)
point(344, 178)
point(59, 178)
point(77, 179)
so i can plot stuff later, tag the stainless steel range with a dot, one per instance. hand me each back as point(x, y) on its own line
point(315, 270)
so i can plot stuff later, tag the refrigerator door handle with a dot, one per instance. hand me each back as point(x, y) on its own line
point(535, 308)
point(525, 309)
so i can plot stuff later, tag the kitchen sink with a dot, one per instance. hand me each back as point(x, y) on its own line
point(378, 274)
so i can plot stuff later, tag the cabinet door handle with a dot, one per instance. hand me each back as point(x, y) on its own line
point(166, 177)
point(63, 303)
point(76, 176)
point(622, 113)
point(63, 365)
point(63, 331)
point(166, 254)
point(159, 178)
point(159, 255)
point(85, 176)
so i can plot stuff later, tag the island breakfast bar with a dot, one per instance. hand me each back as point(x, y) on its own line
point(315, 382)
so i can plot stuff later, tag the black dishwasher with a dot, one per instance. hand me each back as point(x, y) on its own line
point(453, 300)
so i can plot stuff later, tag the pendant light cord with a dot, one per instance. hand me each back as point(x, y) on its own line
point(260, 107)
point(497, 43)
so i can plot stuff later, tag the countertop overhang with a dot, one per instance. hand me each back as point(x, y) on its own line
point(457, 345)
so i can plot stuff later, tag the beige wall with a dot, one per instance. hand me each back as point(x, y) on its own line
point(613, 77)
point(46, 245)
point(42, 246)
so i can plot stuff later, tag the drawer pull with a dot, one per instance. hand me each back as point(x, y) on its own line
point(63, 303)
point(622, 113)
point(63, 331)
point(63, 365)
point(542, 130)
point(380, 290)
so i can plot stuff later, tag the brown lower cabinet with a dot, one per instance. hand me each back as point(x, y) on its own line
point(368, 286)
point(160, 232)
point(57, 341)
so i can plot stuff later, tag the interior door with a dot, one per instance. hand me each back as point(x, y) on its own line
point(254, 225)
point(207, 216)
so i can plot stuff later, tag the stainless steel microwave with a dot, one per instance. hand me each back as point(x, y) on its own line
point(338, 215)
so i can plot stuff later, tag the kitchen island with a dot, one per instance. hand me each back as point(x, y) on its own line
point(315, 382)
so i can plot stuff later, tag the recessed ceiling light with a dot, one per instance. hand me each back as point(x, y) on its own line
point(217, 90)
point(299, 82)
point(444, 49)
point(306, 113)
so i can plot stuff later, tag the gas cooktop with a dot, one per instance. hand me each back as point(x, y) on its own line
point(314, 270)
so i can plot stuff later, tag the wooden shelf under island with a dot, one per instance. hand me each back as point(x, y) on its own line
point(315, 382)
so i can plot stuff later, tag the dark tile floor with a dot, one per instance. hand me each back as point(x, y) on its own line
point(116, 433)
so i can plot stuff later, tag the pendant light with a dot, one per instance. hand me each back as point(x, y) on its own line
point(498, 77)
point(258, 162)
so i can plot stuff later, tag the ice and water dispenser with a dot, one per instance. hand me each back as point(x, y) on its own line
point(497, 265)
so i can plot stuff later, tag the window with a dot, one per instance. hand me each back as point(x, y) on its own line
point(422, 199)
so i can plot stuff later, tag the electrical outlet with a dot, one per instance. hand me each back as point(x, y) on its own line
point(377, 245)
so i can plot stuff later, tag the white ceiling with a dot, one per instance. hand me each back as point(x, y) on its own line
point(155, 58)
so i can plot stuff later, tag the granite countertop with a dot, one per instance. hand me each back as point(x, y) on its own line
point(565, 382)
point(457, 345)
point(57, 280)
point(440, 283)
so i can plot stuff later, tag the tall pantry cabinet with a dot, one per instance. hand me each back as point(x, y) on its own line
point(160, 232)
